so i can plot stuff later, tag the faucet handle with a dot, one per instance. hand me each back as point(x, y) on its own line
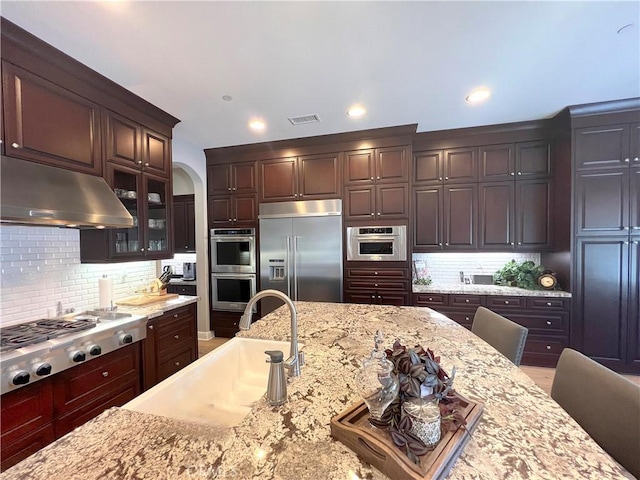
point(301, 358)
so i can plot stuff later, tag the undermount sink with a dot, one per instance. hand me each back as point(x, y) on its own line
point(108, 315)
point(218, 389)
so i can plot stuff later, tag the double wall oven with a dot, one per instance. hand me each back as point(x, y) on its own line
point(233, 267)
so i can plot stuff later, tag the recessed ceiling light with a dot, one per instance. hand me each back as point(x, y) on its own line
point(478, 95)
point(100, 227)
point(227, 98)
point(257, 125)
point(356, 111)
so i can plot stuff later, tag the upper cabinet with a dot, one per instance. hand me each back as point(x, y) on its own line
point(377, 165)
point(228, 178)
point(49, 124)
point(456, 165)
point(232, 194)
point(305, 177)
point(131, 144)
point(184, 224)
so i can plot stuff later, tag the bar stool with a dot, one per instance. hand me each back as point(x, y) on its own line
point(501, 333)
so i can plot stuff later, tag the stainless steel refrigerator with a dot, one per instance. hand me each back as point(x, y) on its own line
point(301, 251)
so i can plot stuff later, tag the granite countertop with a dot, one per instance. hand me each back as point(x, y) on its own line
point(159, 308)
point(523, 434)
point(461, 288)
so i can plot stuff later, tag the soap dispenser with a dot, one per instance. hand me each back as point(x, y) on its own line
point(277, 383)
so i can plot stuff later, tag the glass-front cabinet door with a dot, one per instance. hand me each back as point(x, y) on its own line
point(157, 213)
point(126, 242)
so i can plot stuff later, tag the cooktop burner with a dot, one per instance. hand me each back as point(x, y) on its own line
point(17, 336)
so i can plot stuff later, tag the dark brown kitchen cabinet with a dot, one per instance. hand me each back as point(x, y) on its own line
point(523, 160)
point(46, 123)
point(386, 201)
point(497, 163)
point(607, 146)
point(225, 324)
point(231, 178)
point(454, 165)
point(377, 286)
point(307, 177)
point(148, 200)
point(181, 289)
point(233, 210)
point(184, 224)
point(171, 344)
point(460, 216)
point(603, 201)
point(428, 225)
point(26, 416)
point(377, 165)
point(428, 167)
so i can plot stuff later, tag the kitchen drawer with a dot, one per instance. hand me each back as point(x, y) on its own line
point(546, 303)
point(174, 334)
point(543, 351)
point(176, 315)
point(554, 323)
point(88, 383)
point(376, 283)
point(463, 318)
point(225, 324)
point(182, 289)
point(26, 409)
point(495, 303)
point(175, 363)
point(400, 273)
point(430, 299)
point(21, 448)
point(391, 298)
point(466, 301)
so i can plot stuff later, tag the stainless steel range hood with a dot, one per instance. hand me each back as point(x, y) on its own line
point(31, 193)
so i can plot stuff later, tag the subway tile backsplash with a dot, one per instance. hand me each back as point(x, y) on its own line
point(177, 261)
point(445, 268)
point(40, 266)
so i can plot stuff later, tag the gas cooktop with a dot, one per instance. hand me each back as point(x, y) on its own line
point(24, 334)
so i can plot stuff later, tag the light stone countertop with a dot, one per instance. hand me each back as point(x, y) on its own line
point(159, 308)
point(523, 434)
point(460, 288)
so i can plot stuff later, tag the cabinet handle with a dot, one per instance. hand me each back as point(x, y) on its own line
point(378, 213)
point(506, 302)
point(626, 160)
point(519, 173)
point(511, 243)
point(378, 178)
point(440, 244)
point(636, 159)
point(177, 364)
point(15, 145)
point(466, 300)
point(150, 327)
point(519, 243)
point(139, 162)
point(372, 214)
point(430, 299)
point(235, 220)
point(375, 284)
point(512, 173)
point(548, 304)
point(548, 322)
point(177, 337)
point(371, 178)
point(146, 164)
point(229, 188)
point(375, 273)
point(548, 347)
point(175, 315)
point(467, 318)
point(447, 244)
point(105, 374)
point(636, 228)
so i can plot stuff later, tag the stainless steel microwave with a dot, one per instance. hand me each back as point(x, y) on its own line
point(377, 243)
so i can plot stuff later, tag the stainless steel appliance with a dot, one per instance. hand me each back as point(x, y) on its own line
point(35, 350)
point(377, 243)
point(232, 291)
point(189, 271)
point(233, 250)
point(301, 251)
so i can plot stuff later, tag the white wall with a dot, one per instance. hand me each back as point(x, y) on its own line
point(182, 183)
point(41, 266)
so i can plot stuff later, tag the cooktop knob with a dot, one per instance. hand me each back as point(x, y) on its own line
point(126, 338)
point(95, 350)
point(43, 369)
point(21, 378)
point(78, 356)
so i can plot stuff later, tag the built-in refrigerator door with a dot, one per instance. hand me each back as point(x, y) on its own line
point(317, 259)
point(275, 253)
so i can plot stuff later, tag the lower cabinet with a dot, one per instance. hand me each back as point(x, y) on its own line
point(377, 286)
point(182, 289)
point(547, 319)
point(171, 344)
point(225, 324)
point(37, 414)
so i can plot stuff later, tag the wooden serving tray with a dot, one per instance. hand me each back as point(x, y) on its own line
point(146, 300)
point(375, 446)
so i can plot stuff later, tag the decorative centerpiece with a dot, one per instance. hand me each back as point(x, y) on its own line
point(412, 424)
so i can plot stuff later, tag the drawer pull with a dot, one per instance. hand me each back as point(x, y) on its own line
point(506, 302)
point(375, 284)
point(177, 364)
point(375, 273)
point(177, 337)
point(430, 299)
point(548, 322)
point(467, 318)
point(175, 315)
point(548, 347)
point(548, 304)
point(105, 374)
point(466, 300)
point(150, 327)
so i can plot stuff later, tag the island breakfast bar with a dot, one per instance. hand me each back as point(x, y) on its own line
point(522, 434)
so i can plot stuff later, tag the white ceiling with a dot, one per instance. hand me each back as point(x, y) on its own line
point(406, 62)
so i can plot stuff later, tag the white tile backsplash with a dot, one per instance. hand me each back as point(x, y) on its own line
point(178, 260)
point(445, 268)
point(40, 266)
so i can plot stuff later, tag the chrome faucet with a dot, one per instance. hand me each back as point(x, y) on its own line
point(296, 358)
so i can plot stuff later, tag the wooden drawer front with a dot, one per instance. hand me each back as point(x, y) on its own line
point(177, 315)
point(546, 345)
point(172, 338)
point(402, 273)
point(466, 300)
point(97, 378)
point(550, 323)
point(546, 303)
point(174, 364)
point(392, 298)
point(16, 451)
point(26, 409)
point(182, 289)
point(497, 303)
point(429, 299)
point(375, 283)
point(463, 318)
point(116, 398)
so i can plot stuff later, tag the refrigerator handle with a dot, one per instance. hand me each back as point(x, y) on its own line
point(287, 266)
point(295, 268)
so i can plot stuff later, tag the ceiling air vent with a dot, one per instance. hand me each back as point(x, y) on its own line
point(304, 119)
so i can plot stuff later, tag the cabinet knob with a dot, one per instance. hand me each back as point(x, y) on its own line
point(378, 213)
point(229, 188)
point(378, 178)
point(105, 374)
point(626, 160)
point(511, 243)
point(506, 302)
point(139, 162)
point(177, 337)
point(371, 178)
point(512, 174)
point(379, 297)
point(467, 319)
point(636, 159)
point(447, 244)
point(375, 284)
point(466, 300)
point(150, 327)
point(295, 195)
point(519, 243)
point(177, 364)
point(548, 322)
point(446, 178)
point(373, 296)
point(186, 246)
point(519, 173)
point(548, 347)
point(440, 244)
point(372, 214)
point(142, 249)
point(430, 299)
point(375, 273)
point(301, 194)
point(175, 315)
point(440, 178)
point(235, 219)
point(548, 304)
point(15, 145)
point(146, 164)
point(234, 189)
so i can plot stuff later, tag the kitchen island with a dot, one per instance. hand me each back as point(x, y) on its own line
point(523, 434)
